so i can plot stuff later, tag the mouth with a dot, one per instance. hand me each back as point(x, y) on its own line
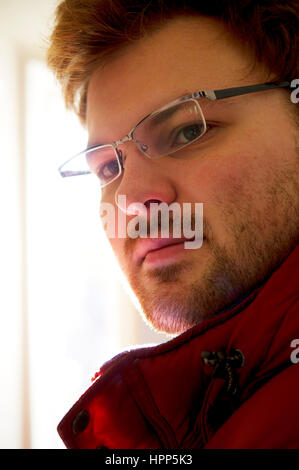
point(158, 250)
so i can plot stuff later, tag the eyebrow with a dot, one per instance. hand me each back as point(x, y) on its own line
point(162, 115)
point(204, 102)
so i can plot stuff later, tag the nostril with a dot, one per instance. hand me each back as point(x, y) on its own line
point(151, 201)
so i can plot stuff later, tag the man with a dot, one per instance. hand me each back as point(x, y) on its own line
point(232, 302)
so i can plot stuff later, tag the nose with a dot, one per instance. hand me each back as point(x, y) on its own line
point(143, 181)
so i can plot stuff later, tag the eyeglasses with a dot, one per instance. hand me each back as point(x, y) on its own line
point(162, 132)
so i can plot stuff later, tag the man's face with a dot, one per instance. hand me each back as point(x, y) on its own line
point(245, 170)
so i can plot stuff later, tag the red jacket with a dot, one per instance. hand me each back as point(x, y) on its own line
point(231, 382)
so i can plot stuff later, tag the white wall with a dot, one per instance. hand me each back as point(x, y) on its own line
point(22, 24)
point(11, 250)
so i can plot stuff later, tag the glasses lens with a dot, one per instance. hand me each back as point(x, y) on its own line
point(102, 162)
point(170, 129)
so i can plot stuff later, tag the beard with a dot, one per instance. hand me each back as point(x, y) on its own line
point(176, 297)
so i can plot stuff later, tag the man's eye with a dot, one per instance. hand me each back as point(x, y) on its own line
point(108, 170)
point(188, 134)
point(191, 132)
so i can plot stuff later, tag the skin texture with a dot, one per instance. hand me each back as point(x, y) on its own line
point(245, 170)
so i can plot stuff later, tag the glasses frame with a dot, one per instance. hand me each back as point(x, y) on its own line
point(208, 94)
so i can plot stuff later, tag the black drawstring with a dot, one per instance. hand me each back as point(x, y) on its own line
point(225, 365)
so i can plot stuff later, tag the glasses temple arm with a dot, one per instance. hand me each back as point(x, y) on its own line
point(229, 92)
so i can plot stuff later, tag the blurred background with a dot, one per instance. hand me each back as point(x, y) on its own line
point(64, 310)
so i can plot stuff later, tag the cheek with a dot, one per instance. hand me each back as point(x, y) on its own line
point(229, 186)
point(219, 180)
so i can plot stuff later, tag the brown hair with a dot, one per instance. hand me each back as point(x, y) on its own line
point(86, 32)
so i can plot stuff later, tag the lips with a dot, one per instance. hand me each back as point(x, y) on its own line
point(148, 245)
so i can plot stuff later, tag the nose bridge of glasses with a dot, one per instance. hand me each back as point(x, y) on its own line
point(127, 138)
point(130, 137)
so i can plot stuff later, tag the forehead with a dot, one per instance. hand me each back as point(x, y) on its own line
point(187, 54)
